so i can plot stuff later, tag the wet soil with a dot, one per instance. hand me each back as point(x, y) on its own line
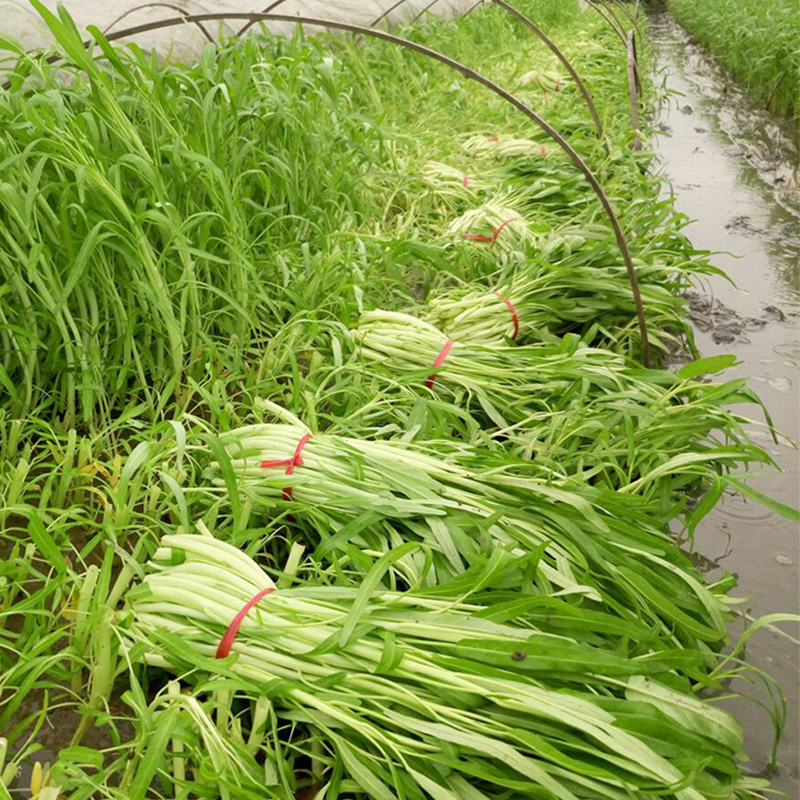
point(734, 170)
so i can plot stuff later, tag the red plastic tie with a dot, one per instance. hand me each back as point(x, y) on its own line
point(507, 222)
point(513, 313)
point(543, 151)
point(439, 361)
point(481, 237)
point(491, 138)
point(289, 463)
point(558, 83)
point(226, 642)
point(465, 181)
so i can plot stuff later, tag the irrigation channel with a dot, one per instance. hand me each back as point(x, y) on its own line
point(734, 170)
point(471, 598)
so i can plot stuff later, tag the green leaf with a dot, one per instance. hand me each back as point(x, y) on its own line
point(43, 540)
point(705, 366)
point(81, 755)
point(688, 711)
point(368, 587)
point(773, 505)
point(154, 755)
point(542, 653)
point(391, 656)
point(706, 504)
point(365, 778)
point(226, 468)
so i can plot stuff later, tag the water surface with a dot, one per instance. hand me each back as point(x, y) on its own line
point(733, 170)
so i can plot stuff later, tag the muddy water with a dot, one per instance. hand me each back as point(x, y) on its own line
point(733, 170)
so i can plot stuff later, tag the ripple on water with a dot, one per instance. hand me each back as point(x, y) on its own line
point(737, 507)
point(790, 350)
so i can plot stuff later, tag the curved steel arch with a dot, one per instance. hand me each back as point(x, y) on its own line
point(472, 8)
point(466, 72)
point(602, 11)
point(270, 7)
point(609, 6)
point(628, 14)
point(556, 50)
point(144, 6)
point(606, 10)
point(388, 11)
point(424, 11)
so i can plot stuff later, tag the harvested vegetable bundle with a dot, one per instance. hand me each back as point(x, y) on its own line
point(597, 547)
point(640, 431)
point(532, 186)
point(493, 223)
point(519, 380)
point(455, 184)
point(503, 146)
point(418, 696)
point(549, 300)
point(471, 314)
point(426, 498)
point(547, 81)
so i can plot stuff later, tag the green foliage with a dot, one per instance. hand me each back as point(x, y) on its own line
point(758, 40)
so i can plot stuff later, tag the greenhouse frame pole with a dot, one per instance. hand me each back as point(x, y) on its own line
point(270, 7)
point(388, 11)
point(424, 11)
point(633, 90)
point(170, 6)
point(601, 10)
point(610, 5)
point(472, 8)
point(628, 14)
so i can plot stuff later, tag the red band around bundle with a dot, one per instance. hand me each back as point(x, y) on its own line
point(226, 642)
point(491, 138)
point(543, 150)
point(513, 313)
point(465, 181)
point(289, 463)
point(507, 222)
point(439, 361)
point(558, 83)
point(479, 237)
point(482, 237)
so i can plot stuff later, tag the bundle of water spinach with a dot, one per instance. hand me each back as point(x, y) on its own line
point(417, 695)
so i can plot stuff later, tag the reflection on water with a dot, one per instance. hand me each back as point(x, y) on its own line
point(734, 171)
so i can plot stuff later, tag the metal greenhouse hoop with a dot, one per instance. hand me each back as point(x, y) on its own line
point(270, 7)
point(423, 12)
point(388, 11)
point(466, 72)
point(172, 7)
point(612, 21)
point(606, 10)
point(627, 13)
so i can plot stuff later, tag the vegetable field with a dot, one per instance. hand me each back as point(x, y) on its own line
point(352, 432)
